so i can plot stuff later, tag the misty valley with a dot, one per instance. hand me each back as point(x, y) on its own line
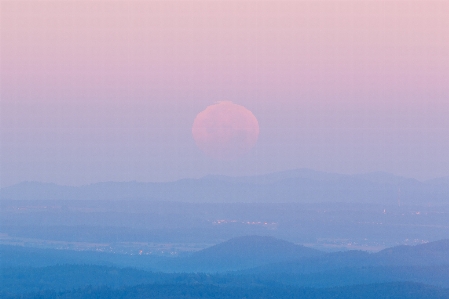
point(179, 240)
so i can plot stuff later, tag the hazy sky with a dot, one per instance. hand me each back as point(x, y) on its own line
point(99, 91)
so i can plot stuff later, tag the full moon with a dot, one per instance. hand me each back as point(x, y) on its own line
point(225, 130)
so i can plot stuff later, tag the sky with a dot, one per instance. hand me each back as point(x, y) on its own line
point(95, 91)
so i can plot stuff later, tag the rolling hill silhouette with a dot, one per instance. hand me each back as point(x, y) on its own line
point(301, 185)
point(242, 253)
point(428, 254)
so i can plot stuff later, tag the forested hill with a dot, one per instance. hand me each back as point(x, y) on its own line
point(189, 291)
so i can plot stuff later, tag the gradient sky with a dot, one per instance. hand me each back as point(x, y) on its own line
point(107, 91)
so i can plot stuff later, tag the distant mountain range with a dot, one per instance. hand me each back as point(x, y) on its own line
point(302, 186)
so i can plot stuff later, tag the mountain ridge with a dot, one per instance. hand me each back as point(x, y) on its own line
point(301, 185)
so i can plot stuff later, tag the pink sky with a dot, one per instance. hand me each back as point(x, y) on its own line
point(101, 90)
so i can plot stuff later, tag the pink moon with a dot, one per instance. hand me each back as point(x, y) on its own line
point(225, 130)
